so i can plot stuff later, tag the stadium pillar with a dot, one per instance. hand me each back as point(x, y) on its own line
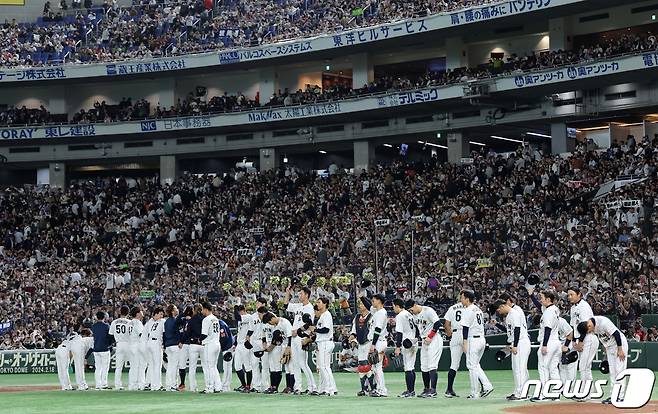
point(364, 156)
point(166, 97)
point(268, 84)
point(558, 37)
point(559, 140)
point(458, 147)
point(168, 169)
point(57, 175)
point(269, 159)
point(456, 53)
point(363, 71)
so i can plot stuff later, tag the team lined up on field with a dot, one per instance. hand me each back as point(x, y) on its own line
point(266, 344)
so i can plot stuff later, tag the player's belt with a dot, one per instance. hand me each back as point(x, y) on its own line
point(454, 330)
point(476, 336)
point(154, 339)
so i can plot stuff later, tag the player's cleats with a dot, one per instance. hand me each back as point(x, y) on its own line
point(239, 389)
point(296, 392)
point(423, 394)
point(361, 393)
point(537, 399)
point(472, 397)
point(607, 401)
point(286, 391)
point(451, 394)
point(217, 391)
point(181, 387)
point(485, 393)
point(431, 394)
point(315, 393)
point(119, 388)
point(147, 388)
point(246, 390)
point(271, 390)
point(376, 394)
point(305, 392)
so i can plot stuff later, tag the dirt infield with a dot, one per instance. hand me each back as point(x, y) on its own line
point(27, 388)
point(581, 408)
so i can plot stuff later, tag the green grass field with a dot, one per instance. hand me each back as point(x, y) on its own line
point(103, 402)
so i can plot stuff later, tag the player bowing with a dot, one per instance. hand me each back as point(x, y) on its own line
point(615, 344)
point(428, 323)
point(517, 337)
point(406, 344)
point(474, 344)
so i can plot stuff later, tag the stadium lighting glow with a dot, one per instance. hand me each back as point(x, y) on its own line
point(388, 145)
point(432, 145)
point(285, 160)
point(506, 139)
point(322, 152)
point(538, 135)
point(477, 143)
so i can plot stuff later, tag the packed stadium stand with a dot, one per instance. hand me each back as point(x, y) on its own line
point(228, 150)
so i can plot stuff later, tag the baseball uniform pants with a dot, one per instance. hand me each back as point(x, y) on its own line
point(585, 358)
point(476, 375)
point(328, 384)
point(211, 373)
point(122, 354)
point(195, 356)
point(174, 355)
point(547, 364)
point(63, 361)
point(520, 365)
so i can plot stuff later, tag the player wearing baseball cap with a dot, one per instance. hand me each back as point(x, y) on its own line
point(428, 323)
point(406, 344)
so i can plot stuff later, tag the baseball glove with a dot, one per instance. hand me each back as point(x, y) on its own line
point(307, 341)
point(286, 357)
point(407, 343)
point(569, 358)
point(373, 358)
point(604, 367)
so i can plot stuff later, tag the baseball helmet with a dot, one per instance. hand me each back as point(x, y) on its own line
point(306, 318)
point(227, 356)
point(569, 358)
point(604, 367)
point(533, 279)
point(277, 337)
point(248, 345)
point(502, 354)
point(259, 354)
point(407, 343)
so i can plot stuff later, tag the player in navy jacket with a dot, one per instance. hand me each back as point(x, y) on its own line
point(227, 343)
point(173, 344)
point(102, 342)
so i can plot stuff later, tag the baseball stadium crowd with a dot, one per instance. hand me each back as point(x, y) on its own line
point(154, 29)
point(489, 225)
point(200, 104)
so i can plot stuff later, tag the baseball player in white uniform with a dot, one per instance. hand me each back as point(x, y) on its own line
point(80, 346)
point(324, 338)
point(429, 324)
point(378, 332)
point(256, 341)
point(300, 356)
point(120, 330)
point(406, 344)
point(137, 362)
point(281, 342)
point(63, 356)
point(242, 356)
point(266, 340)
point(588, 346)
point(519, 341)
point(154, 331)
point(550, 348)
point(474, 344)
point(453, 328)
point(211, 350)
point(614, 342)
point(565, 335)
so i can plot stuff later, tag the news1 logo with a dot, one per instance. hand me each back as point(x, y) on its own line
point(148, 126)
point(632, 388)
